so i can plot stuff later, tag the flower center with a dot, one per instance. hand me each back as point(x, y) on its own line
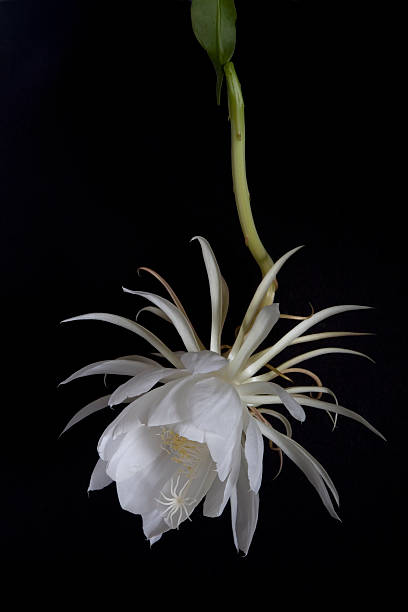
point(182, 451)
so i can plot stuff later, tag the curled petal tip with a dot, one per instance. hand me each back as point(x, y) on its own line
point(196, 238)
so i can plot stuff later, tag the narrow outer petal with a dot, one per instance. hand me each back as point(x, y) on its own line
point(217, 288)
point(99, 477)
point(135, 328)
point(297, 331)
point(267, 390)
point(245, 513)
point(256, 301)
point(142, 383)
point(263, 324)
point(179, 320)
point(312, 469)
point(254, 449)
point(94, 406)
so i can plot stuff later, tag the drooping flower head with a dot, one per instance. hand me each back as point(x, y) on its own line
point(192, 427)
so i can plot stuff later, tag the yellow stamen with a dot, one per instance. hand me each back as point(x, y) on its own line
point(182, 451)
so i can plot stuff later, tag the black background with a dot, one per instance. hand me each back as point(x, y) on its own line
point(113, 155)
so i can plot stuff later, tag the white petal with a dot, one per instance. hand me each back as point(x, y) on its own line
point(214, 406)
point(99, 477)
point(138, 493)
point(130, 417)
point(135, 328)
point(280, 417)
point(189, 431)
point(114, 366)
point(314, 403)
point(234, 473)
point(287, 339)
point(155, 538)
point(142, 383)
point(263, 324)
point(326, 335)
point(161, 406)
point(304, 357)
point(203, 362)
point(264, 391)
point(157, 311)
point(312, 469)
point(138, 449)
point(214, 500)
point(217, 288)
point(222, 450)
point(94, 406)
point(154, 525)
point(144, 359)
point(256, 301)
point(254, 449)
point(247, 510)
point(108, 445)
point(234, 511)
point(179, 320)
point(319, 353)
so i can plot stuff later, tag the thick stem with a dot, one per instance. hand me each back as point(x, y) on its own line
point(242, 198)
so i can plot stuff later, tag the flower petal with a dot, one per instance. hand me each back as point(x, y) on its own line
point(314, 403)
point(214, 406)
point(114, 366)
point(99, 478)
point(94, 406)
point(138, 449)
point(142, 383)
point(138, 493)
point(280, 417)
point(254, 400)
point(326, 335)
point(263, 324)
point(157, 311)
point(245, 513)
point(254, 449)
point(266, 390)
point(257, 300)
point(154, 525)
point(161, 406)
point(179, 320)
point(312, 469)
point(234, 511)
point(304, 357)
point(288, 338)
point(135, 328)
point(217, 290)
point(213, 504)
point(203, 362)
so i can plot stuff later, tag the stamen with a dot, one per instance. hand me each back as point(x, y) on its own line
point(182, 451)
point(176, 504)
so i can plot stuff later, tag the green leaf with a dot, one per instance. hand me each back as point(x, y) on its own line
point(214, 26)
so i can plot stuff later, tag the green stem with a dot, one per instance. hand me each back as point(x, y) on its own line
point(242, 198)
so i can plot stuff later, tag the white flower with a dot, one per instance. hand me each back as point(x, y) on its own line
point(199, 434)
